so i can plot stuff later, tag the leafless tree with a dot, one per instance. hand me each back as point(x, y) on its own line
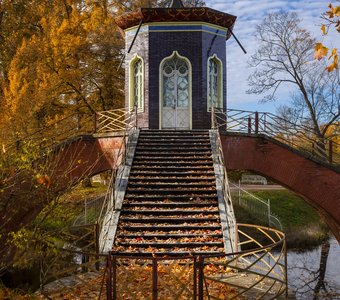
point(285, 57)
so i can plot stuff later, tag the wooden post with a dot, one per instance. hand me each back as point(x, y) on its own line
point(330, 149)
point(256, 122)
point(154, 279)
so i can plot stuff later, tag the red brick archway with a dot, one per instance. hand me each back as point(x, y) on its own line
point(317, 183)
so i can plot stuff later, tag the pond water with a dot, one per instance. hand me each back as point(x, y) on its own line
point(303, 273)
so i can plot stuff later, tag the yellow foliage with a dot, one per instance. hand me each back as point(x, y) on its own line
point(320, 51)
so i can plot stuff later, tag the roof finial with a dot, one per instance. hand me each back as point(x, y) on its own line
point(176, 4)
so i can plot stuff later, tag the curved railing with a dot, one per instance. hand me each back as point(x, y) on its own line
point(257, 272)
point(296, 135)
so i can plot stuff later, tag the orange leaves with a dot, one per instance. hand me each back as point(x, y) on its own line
point(43, 180)
point(332, 19)
point(333, 11)
point(334, 65)
point(320, 51)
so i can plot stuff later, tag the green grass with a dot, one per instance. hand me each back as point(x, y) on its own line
point(301, 223)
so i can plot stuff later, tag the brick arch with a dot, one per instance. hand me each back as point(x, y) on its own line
point(316, 182)
point(68, 163)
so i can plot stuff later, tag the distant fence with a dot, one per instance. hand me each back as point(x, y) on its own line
point(91, 211)
point(258, 207)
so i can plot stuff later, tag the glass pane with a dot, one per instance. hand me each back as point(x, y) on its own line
point(175, 83)
point(138, 83)
point(214, 97)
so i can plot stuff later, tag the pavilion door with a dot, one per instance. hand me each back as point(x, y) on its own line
point(175, 94)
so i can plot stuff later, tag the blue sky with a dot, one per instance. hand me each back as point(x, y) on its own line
point(250, 13)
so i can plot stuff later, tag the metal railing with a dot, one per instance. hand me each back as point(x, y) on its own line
point(120, 119)
point(224, 182)
point(91, 212)
point(296, 135)
point(255, 273)
point(109, 204)
point(258, 207)
point(55, 133)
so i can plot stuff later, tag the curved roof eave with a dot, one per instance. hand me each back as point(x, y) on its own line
point(197, 14)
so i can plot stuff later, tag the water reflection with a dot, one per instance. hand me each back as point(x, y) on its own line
point(315, 274)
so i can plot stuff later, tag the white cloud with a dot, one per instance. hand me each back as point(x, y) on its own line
point(250, 13)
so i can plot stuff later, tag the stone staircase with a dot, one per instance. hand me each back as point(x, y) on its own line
point(171, 206)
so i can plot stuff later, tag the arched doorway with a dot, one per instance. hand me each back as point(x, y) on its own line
point(175, 93)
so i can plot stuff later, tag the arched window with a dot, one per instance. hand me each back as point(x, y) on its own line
point(137, 83)
point(215, 83)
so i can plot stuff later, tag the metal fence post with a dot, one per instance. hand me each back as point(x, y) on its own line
point(154, 279)
point(135, 113)
point(95, 122)
point(269, 212)
point(200, 277)
point(213, 118)
point(97, 245)
point(195, 278)
point(256, 122)
point(114, 278)
point(249, 124)
point(109, 278)
point(330, 150)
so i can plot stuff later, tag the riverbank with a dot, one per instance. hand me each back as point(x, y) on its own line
point(301, 223)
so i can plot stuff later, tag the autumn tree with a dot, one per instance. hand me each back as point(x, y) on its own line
point(69, 65)
point(285, 58)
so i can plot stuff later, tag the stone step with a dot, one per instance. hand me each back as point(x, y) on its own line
point(169, 228)
point(172, 191)
point(169, 236)
point(154, 132)
point(166, 157)
point(159, 219)
point(172, 173)
point(174, 139)
point(172, 150)
point(170, 185)
point(173, 198)
point(137, 204)
point(170, 162)
point(161, 180)
point(137, 253)
point(171, 245)
point(178, 152)
point(166, 212)
point(172, 168)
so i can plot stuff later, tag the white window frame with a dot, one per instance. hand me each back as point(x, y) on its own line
point(140, 105)
point(219, 81)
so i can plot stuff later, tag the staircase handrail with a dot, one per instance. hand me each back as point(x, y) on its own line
point(225, 182)
point(119, 119)
point(296, 135)
point(116, 175)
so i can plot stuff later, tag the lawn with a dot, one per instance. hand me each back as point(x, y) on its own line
point(303, 226)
